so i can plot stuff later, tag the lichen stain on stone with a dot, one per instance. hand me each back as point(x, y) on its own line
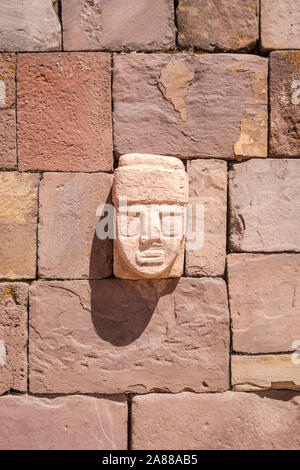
point(253, 136)
point(173, 83)
point(259, 86)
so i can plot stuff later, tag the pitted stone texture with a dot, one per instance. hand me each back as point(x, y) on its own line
point(213, 25)
point(280, 24)
point(18, 211)
point(285, 104)
point(64, 112)
point(68, 244)
point(63, 423)
point(13, 336)
point(208, 187)
point(265, 205)
point(114, 336)
point(8, 157)
point(29, 25)
point(264, 296)
point(198, 105)
point(277, 371)
point(216, 421)
point(118, 25)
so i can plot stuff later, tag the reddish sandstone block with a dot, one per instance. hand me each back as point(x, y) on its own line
point(208, 187)
point(284, 101)
point(277, 371)
point(29, 25)
point(264, 302)
point(191, 105)
point(8, 158)
point(18, 224)
point(13, 336)
point(63, 423)
point(216, 421)
point(265, 205)
point(68, 244)
point(118, 24)
point(64, 112)
point(115, 336)
point(213, 25)
point(280, 24)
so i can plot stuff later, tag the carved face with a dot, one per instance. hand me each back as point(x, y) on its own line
point(150, 236)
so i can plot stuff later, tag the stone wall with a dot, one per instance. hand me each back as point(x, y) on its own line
point(206, 361)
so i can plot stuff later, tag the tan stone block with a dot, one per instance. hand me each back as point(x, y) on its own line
point(118, 25)
point(13, 336)
point(29, 25)
point(149, 193)
point(208, 187)
point(63, 423)
point(68, 243)
point(64, 112)
point(115, 336)
point(214, 25)
point(280, 24)
point(205, 106)
point(216, 421)
point(264, 302)
point(18, 219)
point(278, 371)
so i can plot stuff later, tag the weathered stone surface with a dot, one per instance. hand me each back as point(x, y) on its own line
point(64, 112)
point(18, 209)
point(264, 302)
point(215, 421)
point(118, 24)
point(68, 244)
point(8, 157)
point(114, 336)
point(280, 24)
point(277, 371)
point(149, 240)
point(265, 205)
point(63, 423)
point(285, 104)
point(213, 25)
point(29, 25)
point(13, 336)
point(208, 186)
point(198, 105)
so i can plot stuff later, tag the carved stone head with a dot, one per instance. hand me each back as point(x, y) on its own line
point(149, 194)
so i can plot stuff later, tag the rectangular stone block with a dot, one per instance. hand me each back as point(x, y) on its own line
point(194, 105)
point(216, 421)
point(264, 302)
point(208, 187)
point(8, 156)
point(285, 104)
point(63, 423)
point(115, 336)
point(18, 224)
point(118, 25)
point(280, 24)
point(29, 25)
point(68, 243)
point(13, 336)
point(265, 206)
point(218, 25)
point(64, 112)
point(278, 371)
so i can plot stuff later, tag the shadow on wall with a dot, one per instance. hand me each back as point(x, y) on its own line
point(121, 309)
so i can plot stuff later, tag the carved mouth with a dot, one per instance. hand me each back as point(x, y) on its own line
point(152, 255)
